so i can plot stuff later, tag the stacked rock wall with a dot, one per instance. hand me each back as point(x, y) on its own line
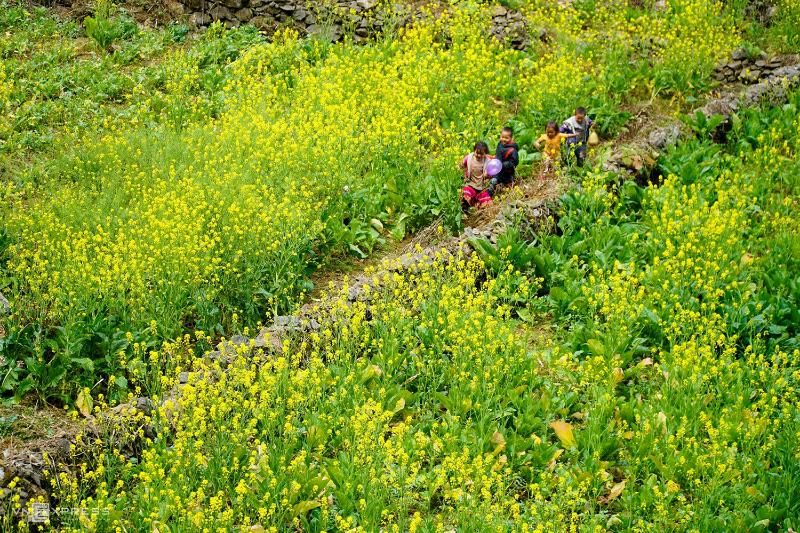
point(334, 18)
point(747, 68)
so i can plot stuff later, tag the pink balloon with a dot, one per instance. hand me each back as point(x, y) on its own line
point(493, 167)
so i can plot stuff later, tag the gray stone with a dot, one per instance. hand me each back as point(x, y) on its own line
point(199, 19)
point(263, 22)
point(543, 35)
point(499, 11)
point(287, 321)
point(233, 4)
point(239, 339)
point(175, 8)
point(244, 14)
point(144, 405)
point(662, 138)
point(353, 293)
point(5, 306)
point(269, 340)
point(220, 13)
point(183, 378)
point(739, 53)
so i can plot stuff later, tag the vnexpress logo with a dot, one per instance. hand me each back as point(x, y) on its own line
point(40, 513)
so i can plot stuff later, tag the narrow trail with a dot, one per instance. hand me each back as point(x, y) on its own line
point(478, 222)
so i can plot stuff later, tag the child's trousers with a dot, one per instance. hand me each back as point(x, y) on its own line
point(475, 197)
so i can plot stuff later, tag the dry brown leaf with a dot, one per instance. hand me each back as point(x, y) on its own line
point(499, 441)
point(613, 494)
point(84, 402)
point(564, 433)
point(552, 465)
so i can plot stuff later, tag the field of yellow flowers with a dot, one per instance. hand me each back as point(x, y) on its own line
point(202, 198)
point(637, 372)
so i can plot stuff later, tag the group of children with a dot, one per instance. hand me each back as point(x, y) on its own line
point(479, 187)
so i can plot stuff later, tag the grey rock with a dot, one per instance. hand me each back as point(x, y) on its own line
point(739, 53)
point(269, 340)
point(199, 19)
point(662, 138)
point(263, 22)
point(499, 11)
point(244, 14)
point(5, 306)
point(543, 35)
point(183, 378)
point(353, 293)
point(220, 13)
point(174, 8)
point(287, 321)
point(144, 405)
point(239, 339)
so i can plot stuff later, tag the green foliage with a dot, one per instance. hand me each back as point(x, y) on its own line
point(106, 27)
point(703, 127)
point(510, 252)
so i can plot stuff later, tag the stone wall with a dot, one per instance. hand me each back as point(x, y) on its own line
point(745, 68)
point(335, 18)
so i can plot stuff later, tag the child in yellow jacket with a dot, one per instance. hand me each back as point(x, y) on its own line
point(552, 139)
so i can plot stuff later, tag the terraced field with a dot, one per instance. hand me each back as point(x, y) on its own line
point(617, 351)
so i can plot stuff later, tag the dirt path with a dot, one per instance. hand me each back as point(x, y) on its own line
point(530, 189)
